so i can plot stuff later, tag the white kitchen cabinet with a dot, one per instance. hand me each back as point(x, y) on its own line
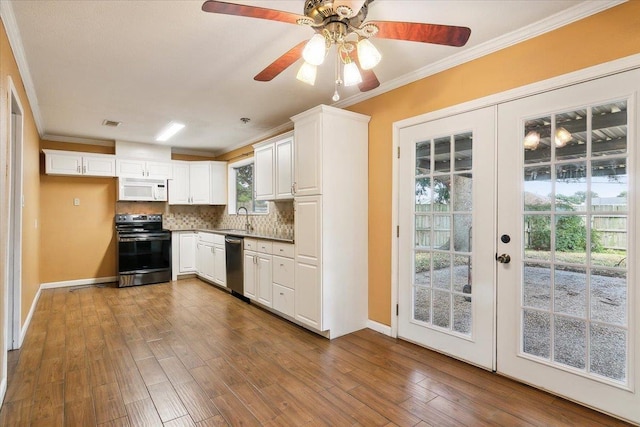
point(284, 168)
point(135, 168)
point(187, 252)
point(273, 168)
point(211, 255)
point(205, 261)
point(198, 183)
point(283, 274)
point(258, 271)
point(263, 168)
point(59, 162)
point(331, 220)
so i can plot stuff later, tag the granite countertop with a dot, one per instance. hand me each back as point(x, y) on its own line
point(236, 232)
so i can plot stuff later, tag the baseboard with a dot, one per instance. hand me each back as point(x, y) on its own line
point(78, 282)
point(27, 321)
point(379, 327)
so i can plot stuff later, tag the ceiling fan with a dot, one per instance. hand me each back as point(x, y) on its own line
point(340, 23)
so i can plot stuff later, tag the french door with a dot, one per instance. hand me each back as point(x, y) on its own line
point(568, 192)
point(518, 242)
point(447, 217)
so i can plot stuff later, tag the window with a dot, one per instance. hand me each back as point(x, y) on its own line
point(241, 189)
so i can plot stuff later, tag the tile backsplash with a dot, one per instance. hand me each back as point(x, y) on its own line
point(278, 222)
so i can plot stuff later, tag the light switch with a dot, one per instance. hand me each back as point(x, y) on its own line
point(76, 202)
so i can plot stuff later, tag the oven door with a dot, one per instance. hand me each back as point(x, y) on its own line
point(144, 257)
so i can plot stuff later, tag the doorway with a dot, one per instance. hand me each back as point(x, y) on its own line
point(545, 276)
point(14, 252)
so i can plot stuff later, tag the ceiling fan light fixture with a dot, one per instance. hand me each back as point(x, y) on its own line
point(351, 74)
point(368, 55)
point(315, 50)
point(307, 74)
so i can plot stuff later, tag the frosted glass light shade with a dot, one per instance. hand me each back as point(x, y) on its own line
point(315, 50)
point(351, 74)
point(307, 74)
point(368, 55)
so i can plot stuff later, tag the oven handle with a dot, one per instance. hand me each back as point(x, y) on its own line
point(143, 238)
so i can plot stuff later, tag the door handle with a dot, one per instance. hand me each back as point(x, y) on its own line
point(503, 259)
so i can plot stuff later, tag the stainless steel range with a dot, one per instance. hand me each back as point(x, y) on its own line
point(144, 250)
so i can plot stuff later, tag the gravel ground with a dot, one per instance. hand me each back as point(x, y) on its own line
point(607, 344)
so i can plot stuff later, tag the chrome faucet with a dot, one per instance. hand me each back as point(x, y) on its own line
point(247, 226)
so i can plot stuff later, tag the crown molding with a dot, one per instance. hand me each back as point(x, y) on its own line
point(76, 140)
point(560, 19)
point(15, 41)
point(261, 137)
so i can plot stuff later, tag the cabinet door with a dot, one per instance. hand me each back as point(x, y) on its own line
point(308, 302)
point(210, 263)
point(265, 283)
point(308, 156)
point(250, 288)
point(284, 300)
point(187, 251)
point(179, 184)
point(199, 183)
point(127, 168)
point(63, 164)
point(284, 169)
point(218, 180)
point(159, 170)
point(263, 172)
point(220, 262)
point(99, 165)
point(200, 259)
point(308, 220)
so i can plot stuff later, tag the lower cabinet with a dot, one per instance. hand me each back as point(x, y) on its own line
point(210, 258)
point(187, 252)
point(258, 271)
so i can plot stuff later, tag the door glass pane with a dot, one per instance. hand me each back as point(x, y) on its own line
point(536, 335)
point(575, 222)
point(609, 129)
point(570, 137)
point(442, 156)
point(537, 140)
point(443, 218)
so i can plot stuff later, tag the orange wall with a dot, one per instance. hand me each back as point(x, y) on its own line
point(79, 241)
point(31, 183)
point(609, 35)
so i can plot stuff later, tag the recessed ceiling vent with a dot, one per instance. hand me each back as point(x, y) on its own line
point(111, 123)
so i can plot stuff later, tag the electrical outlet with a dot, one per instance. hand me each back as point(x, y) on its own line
point(76, 202)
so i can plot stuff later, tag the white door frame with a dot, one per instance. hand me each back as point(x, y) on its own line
point(597, 71)
point(14, 219)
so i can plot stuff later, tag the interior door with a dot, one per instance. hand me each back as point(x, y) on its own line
point(447, 236)
point(567, 289)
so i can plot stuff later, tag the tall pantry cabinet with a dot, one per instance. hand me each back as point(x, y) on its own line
point(331, 220)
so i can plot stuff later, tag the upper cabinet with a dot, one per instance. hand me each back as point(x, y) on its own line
point(198, 183)
point(75, 163)
point(273, 168)
point(133, 168)
point(308, 154)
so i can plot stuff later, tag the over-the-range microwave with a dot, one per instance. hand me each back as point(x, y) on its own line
point(142, 190)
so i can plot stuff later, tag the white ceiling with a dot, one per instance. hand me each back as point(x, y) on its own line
point(146, 63)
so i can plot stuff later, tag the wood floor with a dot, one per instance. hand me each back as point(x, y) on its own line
point(188, 354)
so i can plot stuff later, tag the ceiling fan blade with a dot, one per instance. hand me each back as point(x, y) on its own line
point(354, 5)
point(426, 33)
point(281, 64)
point(369, 79)
point(250, 11)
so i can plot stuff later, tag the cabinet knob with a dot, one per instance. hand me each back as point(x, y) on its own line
point(282, 293)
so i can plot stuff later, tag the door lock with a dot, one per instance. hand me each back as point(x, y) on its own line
point(503, 259)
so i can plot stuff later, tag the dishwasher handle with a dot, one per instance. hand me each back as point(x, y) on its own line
point(233, 240)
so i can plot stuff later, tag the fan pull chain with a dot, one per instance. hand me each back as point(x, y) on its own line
point(336, 95)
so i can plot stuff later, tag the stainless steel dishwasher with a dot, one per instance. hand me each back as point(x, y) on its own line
point(233, 246)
